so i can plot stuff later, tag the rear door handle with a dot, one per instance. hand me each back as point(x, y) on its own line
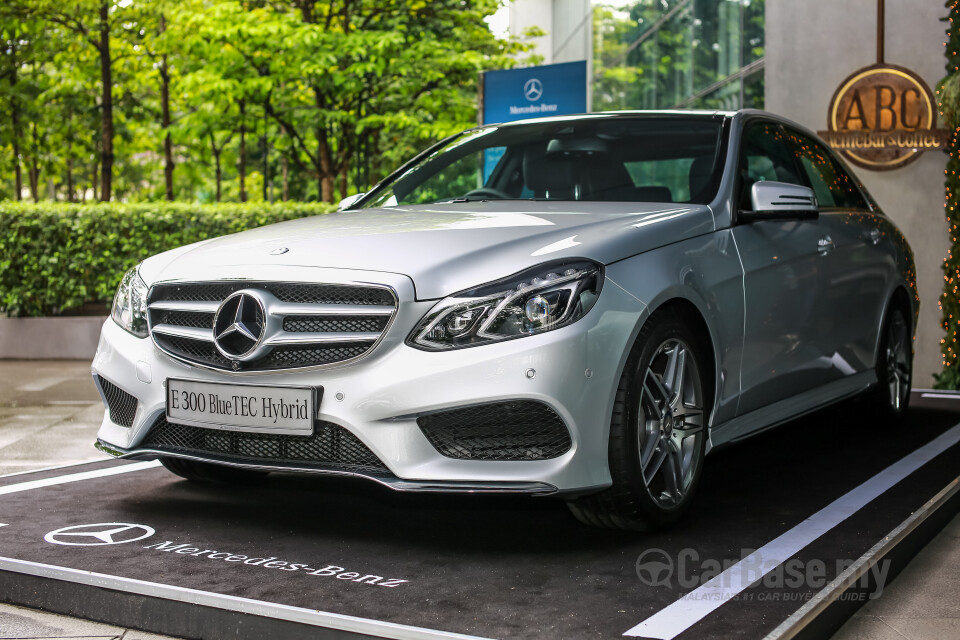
point(825, 245)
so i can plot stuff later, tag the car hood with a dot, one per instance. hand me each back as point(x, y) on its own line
point(443, 248)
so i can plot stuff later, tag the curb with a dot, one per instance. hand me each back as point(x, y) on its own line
point(822, 616)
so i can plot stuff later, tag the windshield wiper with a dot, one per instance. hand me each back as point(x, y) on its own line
point(483, 199)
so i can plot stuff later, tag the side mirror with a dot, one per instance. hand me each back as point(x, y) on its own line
point(347, 202)
point(778, 200)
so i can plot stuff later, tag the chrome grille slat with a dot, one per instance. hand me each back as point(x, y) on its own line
point(310, 324)
point(199, 306)
point(194, 333)
point(288, 309)
point(285, 337)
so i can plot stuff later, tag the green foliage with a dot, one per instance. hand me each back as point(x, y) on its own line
point(57, 257)
point(322, 99)
point(949, 99)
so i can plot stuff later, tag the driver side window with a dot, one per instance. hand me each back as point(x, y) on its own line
point(765, 155)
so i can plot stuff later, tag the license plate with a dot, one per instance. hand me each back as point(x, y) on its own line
point(242, 407)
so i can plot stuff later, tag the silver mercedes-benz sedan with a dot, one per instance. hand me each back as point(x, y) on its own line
point(579, 306)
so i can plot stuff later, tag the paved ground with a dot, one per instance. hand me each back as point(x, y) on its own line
point(50, 412)
point(49, 415)
point(923, 603)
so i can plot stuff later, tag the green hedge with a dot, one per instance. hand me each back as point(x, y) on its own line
point(56, 257)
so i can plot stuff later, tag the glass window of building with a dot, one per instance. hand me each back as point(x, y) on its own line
point(662, 54)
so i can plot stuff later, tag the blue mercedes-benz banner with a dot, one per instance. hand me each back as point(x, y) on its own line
point(534, 92)
point(531, 92)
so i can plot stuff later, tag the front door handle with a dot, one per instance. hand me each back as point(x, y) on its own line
point(825, 245)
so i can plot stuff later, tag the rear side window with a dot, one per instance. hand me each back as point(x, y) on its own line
point(834, 187)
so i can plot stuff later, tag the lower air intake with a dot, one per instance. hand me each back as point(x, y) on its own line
point(331, 447)
point(122, 405)
point(515, 430)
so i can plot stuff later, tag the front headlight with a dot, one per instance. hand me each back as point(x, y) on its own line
point(130, 304)
point(540, 299)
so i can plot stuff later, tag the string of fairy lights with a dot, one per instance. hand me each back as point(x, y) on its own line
point(949, 301)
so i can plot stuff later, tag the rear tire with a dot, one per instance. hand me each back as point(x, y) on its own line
point(658, 432)
point(207, 472)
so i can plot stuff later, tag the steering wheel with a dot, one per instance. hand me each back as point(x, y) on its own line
point(489, 192)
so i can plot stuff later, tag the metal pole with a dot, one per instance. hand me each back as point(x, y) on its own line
point(880, 30)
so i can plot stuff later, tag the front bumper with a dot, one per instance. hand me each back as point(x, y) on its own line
point(379, 398)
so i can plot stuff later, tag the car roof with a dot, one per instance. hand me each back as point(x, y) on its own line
point(702, 113)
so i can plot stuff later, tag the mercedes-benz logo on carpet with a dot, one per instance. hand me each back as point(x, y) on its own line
point(97, 535)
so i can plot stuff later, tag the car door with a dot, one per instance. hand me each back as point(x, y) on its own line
point(784, 345)
point(856, 262)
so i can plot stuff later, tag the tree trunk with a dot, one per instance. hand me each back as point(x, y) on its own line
point(34, 168)
point(15, 122)
point(242, 160)
point(266, 162)
point(325, 172)
point(343, 180)
point(216, 161)
point(70, 196)
point(165, 100)
point(106, 81)
point(286, 181)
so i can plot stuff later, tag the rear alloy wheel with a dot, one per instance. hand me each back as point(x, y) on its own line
point(657, 434)
point(891, 396)
point(212, 473)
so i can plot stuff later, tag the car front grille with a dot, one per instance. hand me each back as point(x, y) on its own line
point(513, 430)
point(319, 324)
point(122, 405)
point(331, 447)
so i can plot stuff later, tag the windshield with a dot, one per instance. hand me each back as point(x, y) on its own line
point(611, 159)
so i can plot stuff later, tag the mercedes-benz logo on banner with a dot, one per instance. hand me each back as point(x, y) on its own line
point(239, 324)
point(97, 535)
point(532, 89)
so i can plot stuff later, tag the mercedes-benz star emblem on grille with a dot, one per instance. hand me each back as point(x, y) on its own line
point(239, 324)
point(95, 535)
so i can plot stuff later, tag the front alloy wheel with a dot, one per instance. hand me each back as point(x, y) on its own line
point(657, 431)
point(670, 428)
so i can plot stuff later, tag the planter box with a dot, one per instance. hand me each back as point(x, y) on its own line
point(58, 338)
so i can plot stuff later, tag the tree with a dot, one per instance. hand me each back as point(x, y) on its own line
point(208, 99)
point(91, 20)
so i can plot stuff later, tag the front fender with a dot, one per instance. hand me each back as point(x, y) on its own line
point(706, 272)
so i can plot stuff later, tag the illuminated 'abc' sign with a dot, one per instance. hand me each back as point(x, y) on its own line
point(883, 117)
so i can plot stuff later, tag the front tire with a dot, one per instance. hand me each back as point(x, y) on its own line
point(206, 472)
point(657, 433)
